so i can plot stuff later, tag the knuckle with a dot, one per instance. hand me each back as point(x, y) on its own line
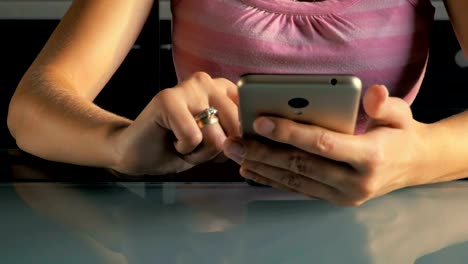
point(156, 102)
point(193, 139)
point(297, 162)
point(285, 132)
point(201, 77)
point(324, 142)
point(163, 96)
point(225, 81)
point(374, 160)
point(159, 106)
point(291, 180)
point(227, 84)
point(366, 189)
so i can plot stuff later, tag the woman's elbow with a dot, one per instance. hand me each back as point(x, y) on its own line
point(19, 112)
point(14, 117)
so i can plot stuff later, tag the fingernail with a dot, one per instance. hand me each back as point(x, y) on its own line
point(235, 158)
point(248, 175)
point(235, 149)
point(253, 177)
point(264, 126)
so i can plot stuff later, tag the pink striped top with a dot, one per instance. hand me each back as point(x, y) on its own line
point(381, 41)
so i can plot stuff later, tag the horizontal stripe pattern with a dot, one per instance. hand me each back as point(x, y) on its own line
point(381, 41)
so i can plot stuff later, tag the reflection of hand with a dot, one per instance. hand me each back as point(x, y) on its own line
point(216, 210)
point(342, 169)
point(394, 229)
point(86, 221)
point(165, 137)
point(403, 227)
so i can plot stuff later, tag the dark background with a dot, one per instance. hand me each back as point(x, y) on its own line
point(443, 92)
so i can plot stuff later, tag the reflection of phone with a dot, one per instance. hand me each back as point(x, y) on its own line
point(329, 101)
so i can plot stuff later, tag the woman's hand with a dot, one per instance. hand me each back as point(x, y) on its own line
point(342, 169)
point(165, 137)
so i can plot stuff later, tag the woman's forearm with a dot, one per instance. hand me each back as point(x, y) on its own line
point(447, 150)
point(447, 157)
point(457, 10)
point(51, 114)
point(50, 120)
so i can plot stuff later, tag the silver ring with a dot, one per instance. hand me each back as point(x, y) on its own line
point(207, 117)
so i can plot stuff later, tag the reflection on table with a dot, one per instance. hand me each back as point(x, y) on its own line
point(227, 223)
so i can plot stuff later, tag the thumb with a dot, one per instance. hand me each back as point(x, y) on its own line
point(384, 110)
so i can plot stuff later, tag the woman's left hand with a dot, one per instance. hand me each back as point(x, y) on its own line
point(340, 168)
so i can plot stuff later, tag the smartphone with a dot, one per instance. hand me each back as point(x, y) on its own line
point(327, 100)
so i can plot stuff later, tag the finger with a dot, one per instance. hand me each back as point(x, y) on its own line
point(226, 102)
point(175, 116)
point(385, 110)
point(202, 79)
point(263, 180)
point(293, 181)
point(338, 175)
point(178, 115)
point(214, 135)
point(220, 158)
point(193, 97)
point(211, 145)
point(313, 139)
point(186, 143)
point(234, 149)
point(231, 89)
point(228, 115)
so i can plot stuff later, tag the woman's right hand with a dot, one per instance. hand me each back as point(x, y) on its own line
point(165, 137)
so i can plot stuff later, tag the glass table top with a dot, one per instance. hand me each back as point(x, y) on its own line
point(227, 223)
point(59, 213)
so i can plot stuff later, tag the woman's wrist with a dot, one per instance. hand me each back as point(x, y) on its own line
point(113, 143)
point(428, 154)
point(443, 156)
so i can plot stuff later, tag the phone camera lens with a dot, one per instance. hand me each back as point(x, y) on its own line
point(298, 103)
point(333, 81)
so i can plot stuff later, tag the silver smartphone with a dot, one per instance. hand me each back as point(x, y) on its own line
point(327, 100)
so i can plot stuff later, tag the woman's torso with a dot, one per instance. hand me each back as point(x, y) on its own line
point(381, 41)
